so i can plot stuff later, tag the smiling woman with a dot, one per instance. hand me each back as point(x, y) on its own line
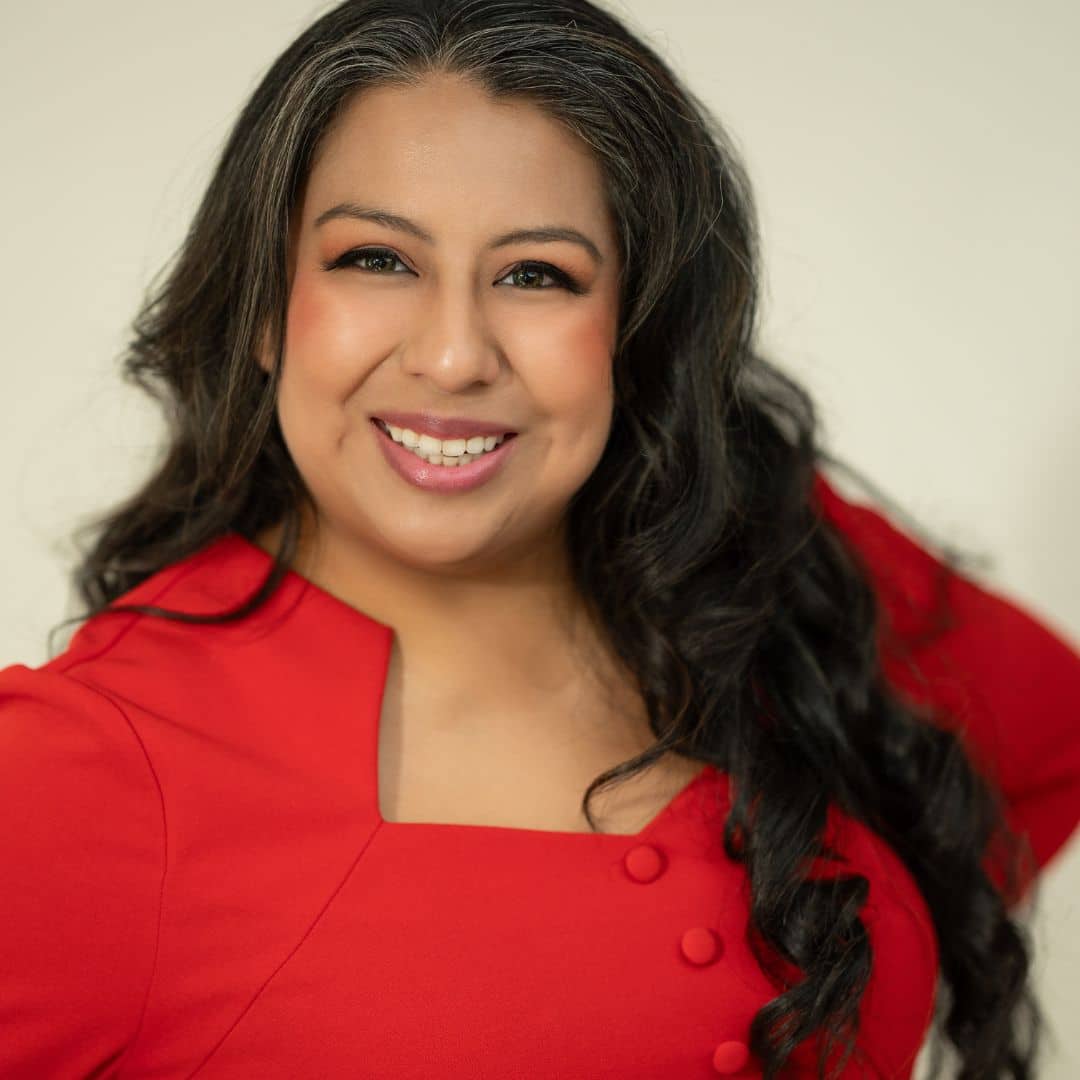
point(460, 322)
point(488, 683)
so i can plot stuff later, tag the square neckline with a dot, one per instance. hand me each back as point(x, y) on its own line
point(671, 807)
point(349, 612)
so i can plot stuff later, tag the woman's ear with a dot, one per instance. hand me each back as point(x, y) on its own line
point(265, 352)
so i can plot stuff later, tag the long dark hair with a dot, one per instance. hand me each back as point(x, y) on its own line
point(697, 538)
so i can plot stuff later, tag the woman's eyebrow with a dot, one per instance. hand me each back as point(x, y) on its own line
point(541, 235)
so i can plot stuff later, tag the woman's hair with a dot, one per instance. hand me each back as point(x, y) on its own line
point(740, 610)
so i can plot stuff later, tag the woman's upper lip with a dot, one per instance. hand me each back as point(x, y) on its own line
point(442, 427)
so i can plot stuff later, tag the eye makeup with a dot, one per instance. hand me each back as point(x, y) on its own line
point(351, 258)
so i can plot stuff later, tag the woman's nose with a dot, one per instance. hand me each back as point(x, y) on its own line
point(452, 344)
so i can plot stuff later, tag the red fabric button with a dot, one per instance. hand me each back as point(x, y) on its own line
point(644, 863)
point(730, 1057)
point(700, 945)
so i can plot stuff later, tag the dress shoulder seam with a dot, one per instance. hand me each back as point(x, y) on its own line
point(180, 572)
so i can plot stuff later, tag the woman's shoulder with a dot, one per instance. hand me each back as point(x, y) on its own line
point(133, 657)
point(72, 759)
point(76, 700)
point(214, 578)
point(81, 716)
point(82, 843)
point(66, 747)
point(199, 697)
point(85, 811)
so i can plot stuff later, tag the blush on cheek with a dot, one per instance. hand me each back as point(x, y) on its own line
point(331, 335)
point(306, 314)
point(581, 374)
point(596, 342)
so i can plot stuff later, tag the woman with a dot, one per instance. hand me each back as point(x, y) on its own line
point(491, 685)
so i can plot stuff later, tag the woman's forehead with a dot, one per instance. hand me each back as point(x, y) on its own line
point(447, 146)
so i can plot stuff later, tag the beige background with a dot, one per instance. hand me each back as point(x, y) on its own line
point(916, 167)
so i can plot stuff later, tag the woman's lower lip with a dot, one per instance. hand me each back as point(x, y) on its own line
point(442, 478)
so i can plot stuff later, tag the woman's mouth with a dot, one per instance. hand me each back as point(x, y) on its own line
point(443, 465)
point(450, 453)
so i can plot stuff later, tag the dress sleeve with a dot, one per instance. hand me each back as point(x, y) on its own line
point(82, 852)
point(1008, 680)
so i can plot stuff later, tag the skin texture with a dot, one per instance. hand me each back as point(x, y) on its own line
point(503, 700)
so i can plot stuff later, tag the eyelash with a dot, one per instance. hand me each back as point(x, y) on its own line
point(563, 279)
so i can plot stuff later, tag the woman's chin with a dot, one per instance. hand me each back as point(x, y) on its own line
point(457, 554)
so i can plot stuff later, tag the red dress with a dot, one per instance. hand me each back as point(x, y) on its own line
point(197, 880)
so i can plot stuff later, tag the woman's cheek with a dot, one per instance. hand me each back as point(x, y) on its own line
point(595, 342)
point(305, 317)
point(334, 331)
point(574, 378)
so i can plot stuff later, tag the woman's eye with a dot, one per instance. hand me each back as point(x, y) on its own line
point(375, 258)
point(527, 276)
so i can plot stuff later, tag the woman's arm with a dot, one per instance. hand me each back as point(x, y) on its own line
point(83, 857)
point(1010, 680)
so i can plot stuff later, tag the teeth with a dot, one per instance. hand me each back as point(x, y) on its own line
point(443, 451)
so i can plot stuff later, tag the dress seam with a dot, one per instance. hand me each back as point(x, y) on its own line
point(135, 617)
point(291, 953)
point(164, 862)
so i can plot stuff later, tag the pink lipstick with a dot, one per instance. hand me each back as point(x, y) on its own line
point(442, 478)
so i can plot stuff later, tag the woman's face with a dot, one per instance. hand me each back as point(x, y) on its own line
point(441, 314)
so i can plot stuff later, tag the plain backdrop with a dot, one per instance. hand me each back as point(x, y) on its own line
point(916, 167)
